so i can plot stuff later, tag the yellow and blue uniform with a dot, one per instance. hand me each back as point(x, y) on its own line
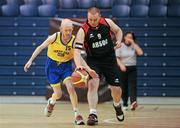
point(59, 60)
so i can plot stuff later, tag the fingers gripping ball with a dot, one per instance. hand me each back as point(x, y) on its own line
point(80, 78)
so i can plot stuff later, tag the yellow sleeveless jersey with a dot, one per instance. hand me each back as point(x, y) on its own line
point(59, 51)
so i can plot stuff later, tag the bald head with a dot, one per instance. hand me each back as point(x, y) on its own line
point(66, 23)
point(93, 10)
point(66, 28)
point(93, 16)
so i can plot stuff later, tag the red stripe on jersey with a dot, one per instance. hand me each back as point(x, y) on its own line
point(86, 27)
point(104, 22)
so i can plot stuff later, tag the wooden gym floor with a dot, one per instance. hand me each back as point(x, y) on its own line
point(23, 115)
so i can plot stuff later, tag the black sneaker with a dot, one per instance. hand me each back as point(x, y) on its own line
point(92, 119)
point(119, 113)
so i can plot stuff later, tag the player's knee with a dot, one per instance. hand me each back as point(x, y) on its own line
point(70, 89)
point(93, 85)
point(115, 89)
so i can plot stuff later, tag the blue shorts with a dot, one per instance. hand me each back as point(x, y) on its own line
point(57, 72)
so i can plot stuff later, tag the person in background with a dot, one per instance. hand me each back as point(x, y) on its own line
point(127, 60)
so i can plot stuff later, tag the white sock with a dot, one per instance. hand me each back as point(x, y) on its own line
point(52, 101)
point(76, 112)
point(118, 104)
point(93, 111)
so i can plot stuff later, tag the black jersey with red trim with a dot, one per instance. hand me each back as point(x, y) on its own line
point(98, 42)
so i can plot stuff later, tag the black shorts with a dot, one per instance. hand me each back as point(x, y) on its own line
point(108, 68)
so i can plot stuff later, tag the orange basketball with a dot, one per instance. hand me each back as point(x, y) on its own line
point(80, 78)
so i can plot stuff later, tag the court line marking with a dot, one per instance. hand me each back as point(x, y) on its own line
point(112, 121)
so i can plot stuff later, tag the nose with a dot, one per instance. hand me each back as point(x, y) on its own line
point(68, 32)
point(93, 22)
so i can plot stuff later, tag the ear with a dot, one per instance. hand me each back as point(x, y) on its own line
point(99, 15)
point(60, 28)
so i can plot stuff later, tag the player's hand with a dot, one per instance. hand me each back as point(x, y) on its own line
point(27, 66)
point(81, 68)
point(117, 45)
point(93, 74)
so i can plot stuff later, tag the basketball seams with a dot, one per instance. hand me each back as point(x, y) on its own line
point(80, 78)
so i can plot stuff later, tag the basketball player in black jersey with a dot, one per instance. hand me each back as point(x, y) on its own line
point(95, 36)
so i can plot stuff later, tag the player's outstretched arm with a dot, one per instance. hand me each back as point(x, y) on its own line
point(79, 43)
point(38, 50)
point(79, 61)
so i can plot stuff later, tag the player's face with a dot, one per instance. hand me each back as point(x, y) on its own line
point(66, 31)
point(93, 20)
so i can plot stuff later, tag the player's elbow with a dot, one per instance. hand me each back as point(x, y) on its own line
point(119, 31)
point(77, 53)
point(39, 49)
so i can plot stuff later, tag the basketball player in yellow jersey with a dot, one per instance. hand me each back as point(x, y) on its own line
point(58, 66)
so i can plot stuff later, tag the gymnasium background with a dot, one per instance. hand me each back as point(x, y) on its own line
point(24, 24)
